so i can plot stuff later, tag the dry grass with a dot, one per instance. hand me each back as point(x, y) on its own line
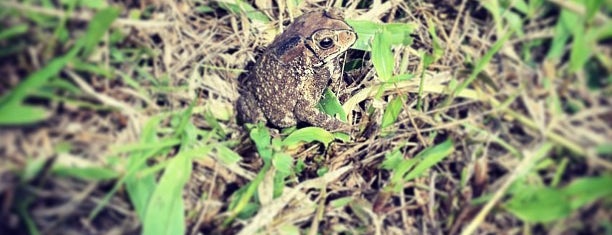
point(523, 120)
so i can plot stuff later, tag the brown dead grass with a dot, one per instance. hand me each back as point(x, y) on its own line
point(202, 55)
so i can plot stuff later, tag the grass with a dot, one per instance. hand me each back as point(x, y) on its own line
point(481, 117)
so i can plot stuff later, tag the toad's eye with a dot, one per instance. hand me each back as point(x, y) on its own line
point(326, 43)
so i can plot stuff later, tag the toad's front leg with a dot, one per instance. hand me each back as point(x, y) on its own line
point(306, 111)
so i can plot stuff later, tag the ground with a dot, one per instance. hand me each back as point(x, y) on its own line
point(471, 117)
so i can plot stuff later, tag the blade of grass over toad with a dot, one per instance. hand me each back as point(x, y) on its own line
point(479, 67)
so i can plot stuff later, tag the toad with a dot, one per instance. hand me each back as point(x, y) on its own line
point(287, 81)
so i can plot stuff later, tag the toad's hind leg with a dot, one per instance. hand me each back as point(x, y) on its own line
point(248, 109)
point(306, 111)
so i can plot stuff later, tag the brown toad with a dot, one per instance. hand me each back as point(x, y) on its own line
point(288, 80)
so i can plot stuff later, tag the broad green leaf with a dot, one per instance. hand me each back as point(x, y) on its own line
point(430, 157)
point(242, 7)
point(283, 163)
point(165, 211)
point(344, 137)
point(382, 57)
point(331, 105)
point(400, 33)
point(85, 173)
point(309, 134)
point(21, 114)
point(227, 155)
point(260, 135)
point(516, 22)
point(289, 229)
point(586, 190)
point(520, 5)
point(365, 33)
point(392, 160)
point(603, 149)
point(392, 111)
point(539, 204)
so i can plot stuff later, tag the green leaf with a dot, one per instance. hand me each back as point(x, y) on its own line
point(227, 155)
point(592, 7)
point(283, 163)
point(399, 33)
point(140, 188)
point(261, 137)
point(93, 4)
point(586, 190)
point(36, 80)
point(392, 160)
point(365, 33)
point(85, 173)
point(562, 34)
point(603, 149)
point(32, 169)
point(309, 134)
point(537, 204)
point(581, 51)
point(431, 156)
point(98, 26)
point(382, 57)
point(341, 202)
point(165, 211)
point(13, 31)
point(331, 105)
point(242, 7)
point(21, 114)
point(480, 66)
point(392, 111)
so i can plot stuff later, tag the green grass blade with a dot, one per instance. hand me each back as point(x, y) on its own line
point(165, 211)
point(431, 156)
point(382, 57)
point(392, 111)
point(309, 134)
point(98, 26)
point(331, 105)
point(22, 114)
point(482, 63)
point(13, 31)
